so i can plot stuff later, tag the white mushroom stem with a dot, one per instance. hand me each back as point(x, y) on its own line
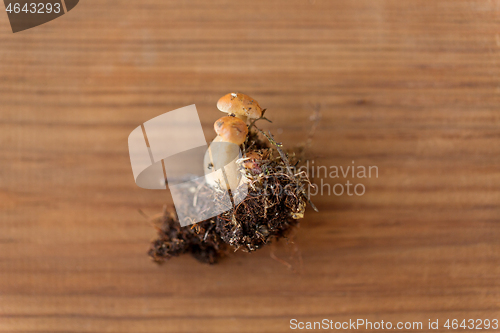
point(221, 169)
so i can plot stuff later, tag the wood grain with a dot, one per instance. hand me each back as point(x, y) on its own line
point(409, 86)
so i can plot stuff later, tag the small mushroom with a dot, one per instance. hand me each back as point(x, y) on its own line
point(252, 161)
point(221, 169)
point(241, 105)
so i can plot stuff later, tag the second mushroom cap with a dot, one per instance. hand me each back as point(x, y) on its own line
point(231, 129)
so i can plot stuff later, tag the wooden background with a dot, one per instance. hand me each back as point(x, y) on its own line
point(409, 86)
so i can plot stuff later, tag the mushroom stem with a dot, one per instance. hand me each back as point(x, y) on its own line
point(220, 164)
point(221, 169)
point(242, 117)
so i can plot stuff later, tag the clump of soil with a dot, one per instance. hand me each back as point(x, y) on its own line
point(173, 240)
point(275, 202)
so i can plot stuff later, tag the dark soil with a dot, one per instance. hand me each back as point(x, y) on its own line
point(272, 208)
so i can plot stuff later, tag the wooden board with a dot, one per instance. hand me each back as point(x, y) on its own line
point(411, 87)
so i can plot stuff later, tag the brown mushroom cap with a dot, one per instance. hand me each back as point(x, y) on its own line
point(252, 161)
point(241, 105)
point(231, 129)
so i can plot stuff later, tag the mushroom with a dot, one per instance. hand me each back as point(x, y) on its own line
point(252, 162)
point(221, 169)
point(241, 105)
